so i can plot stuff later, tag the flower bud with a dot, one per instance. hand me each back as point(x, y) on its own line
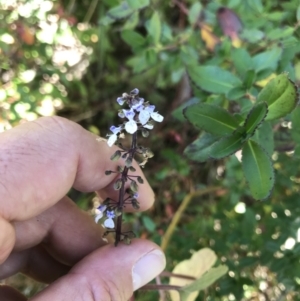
point(108, 172)
point(116, 156)
point(118, 184)
point(140, 180)
point(120, 168)
point(134, 186)
point(135, 204)
point(128, 162)
point(145, 133)
point(118, 211)
point(135, 91)
point(131, 168)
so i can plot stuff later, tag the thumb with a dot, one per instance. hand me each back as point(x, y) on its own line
point(109, 274)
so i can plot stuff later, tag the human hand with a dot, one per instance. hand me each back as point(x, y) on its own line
point(44, 235)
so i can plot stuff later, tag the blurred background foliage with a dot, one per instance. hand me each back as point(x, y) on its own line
point(74, 58)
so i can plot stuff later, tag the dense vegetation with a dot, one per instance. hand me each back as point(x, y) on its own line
point(73, 58)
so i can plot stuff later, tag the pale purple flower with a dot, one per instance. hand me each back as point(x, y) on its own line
point(120, 100)
point(99, 212)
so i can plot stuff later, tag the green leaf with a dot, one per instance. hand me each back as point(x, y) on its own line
point(227, 145)
point(242, 60)
point(296, 124)
point(256, 5)
point(133, 38)
point(148, 223)
point(120, 12)
point(154, 28)
point(255, 117)
point(258, 170)
point(236, 93)
point(211, 118)
point(194, 12)
point(281, 96)
point(265, 137)
point(178, 112)
point(138, 4)
point(199, 150)
point(298, 13)
point(213, 79)
point(204, 281)
point(252, 35)
point(268, 59)
point(249, 78)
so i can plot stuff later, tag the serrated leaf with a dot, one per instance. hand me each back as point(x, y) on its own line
point(213, 79)
point(178, 112)
point(228, 145)
point(258, 169)
point(255, 117)
point(199, 150)
point(267, 60)
point(211, 118)
point(154, 28)
point(265, 137)
point(194, 12)
point(203, 282)
point(133, 38)
point(281, 96)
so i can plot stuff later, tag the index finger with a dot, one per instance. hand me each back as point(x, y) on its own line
point(41, 160)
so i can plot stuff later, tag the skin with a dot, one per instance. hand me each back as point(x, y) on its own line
point(43, 233)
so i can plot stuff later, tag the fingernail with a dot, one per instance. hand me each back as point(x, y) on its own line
point(147, 268)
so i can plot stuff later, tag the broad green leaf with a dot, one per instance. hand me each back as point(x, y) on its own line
point(194, 12)
point(227, 145)
point(258, 170)
point(199, 264)
point(242, 60)
point(154, 28)
point(138, 4)
point(211, 118)
point(281, 96)
point(265, 137)
point(120, 12)
point(268, 59)
point(133, 38)
point(199, 150)
point(213, 79)
point(148, 223)
point(255, 117)
point(296, 124)
point(203, 282)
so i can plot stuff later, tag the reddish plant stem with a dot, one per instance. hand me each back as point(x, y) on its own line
point(124, 177)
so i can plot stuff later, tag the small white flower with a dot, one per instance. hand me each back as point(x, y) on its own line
point(109, 223)
point(144, 116)
point(131, 127)
point(157, 117)
point(113, 138)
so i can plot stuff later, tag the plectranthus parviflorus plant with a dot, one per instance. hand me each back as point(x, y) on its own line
point(139, 118)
